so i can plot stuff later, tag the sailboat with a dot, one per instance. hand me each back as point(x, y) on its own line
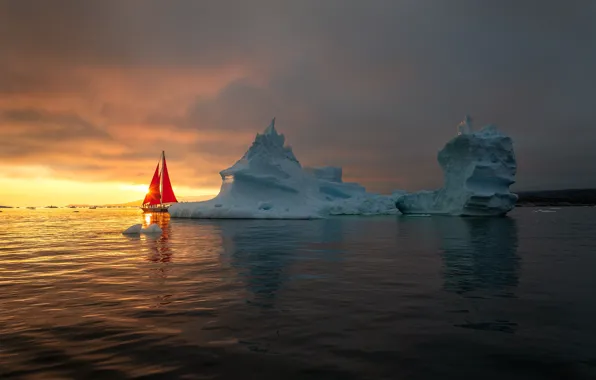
point(160, 195)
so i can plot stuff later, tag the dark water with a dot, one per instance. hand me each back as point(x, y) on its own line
point(343, 298)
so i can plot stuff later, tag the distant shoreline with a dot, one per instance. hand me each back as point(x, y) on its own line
point(560, 198)
point(540, 198)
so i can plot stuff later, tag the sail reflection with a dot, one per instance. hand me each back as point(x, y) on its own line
point(159, 248)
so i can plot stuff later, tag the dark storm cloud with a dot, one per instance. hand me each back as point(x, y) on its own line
point(61, 125)
point(33, 136)
point(42, 128)
point(134, 32)
point(251, 106)
point(375, 86)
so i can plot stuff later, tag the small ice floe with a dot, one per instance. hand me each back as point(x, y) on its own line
point(543, 210)
point(133, 230)
point(152, 229)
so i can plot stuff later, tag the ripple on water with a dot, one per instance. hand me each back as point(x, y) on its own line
point(378, 297)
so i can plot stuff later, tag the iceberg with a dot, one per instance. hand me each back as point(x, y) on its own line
point(478, 167)
point(327, 173)
point(269, 182)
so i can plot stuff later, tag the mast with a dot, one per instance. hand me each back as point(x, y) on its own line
point(167, 193)
point(163, 157)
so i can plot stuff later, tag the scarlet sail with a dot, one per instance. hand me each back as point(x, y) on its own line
point(167, 193)
point(160, 190)
point(153, 196)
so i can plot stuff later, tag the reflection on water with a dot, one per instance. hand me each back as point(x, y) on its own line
point(260, 256)
point(480, 262)
point(263, 251)
point(159, 246)
point(346, 298)
point(479, 255)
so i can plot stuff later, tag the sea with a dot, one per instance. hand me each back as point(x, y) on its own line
point(384, 297)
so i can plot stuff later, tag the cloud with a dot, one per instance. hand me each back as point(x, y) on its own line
point(54, 125)
point(376, 87)
point(27, 132)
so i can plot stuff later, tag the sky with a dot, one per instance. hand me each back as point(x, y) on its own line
point(91, 92)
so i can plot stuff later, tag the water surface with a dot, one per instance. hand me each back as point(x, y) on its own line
point(348, 298)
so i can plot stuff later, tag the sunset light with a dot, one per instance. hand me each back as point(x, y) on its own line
point(297, 189)
point(47, 191)
point(140, 189)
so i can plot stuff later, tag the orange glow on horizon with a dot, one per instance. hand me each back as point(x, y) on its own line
point(84, 140)
point(59, 192)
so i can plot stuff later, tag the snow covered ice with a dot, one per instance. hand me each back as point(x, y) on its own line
point(478, 167)
point(135, 229)
point(269, 182)
point(152, 229)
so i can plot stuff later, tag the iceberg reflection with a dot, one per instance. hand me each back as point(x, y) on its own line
point(268, 253)
point(479, 256)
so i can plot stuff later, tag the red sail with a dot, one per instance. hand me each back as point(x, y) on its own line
point(153, 196)
point(167, 191)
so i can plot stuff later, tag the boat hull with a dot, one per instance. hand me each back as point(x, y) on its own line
point(154, 209)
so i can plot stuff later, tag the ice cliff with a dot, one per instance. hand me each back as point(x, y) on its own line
point(478, 167)
point(268, 182)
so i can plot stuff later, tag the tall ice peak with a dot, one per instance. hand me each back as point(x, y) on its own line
point(265, 154)
point(270, 137)
point(270, 130)
point(465, 127)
